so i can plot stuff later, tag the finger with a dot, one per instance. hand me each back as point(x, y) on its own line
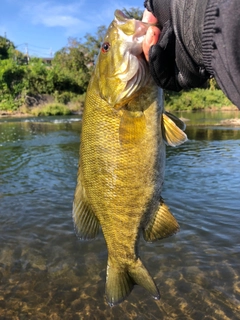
point(150, 39)
point(149, 17)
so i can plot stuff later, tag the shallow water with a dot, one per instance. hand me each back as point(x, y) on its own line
point(47, 273)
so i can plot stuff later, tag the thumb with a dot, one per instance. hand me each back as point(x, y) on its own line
point(150, 39)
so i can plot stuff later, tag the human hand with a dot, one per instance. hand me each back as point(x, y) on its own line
point(172, 61)
point(159, 45)
point(152, 34)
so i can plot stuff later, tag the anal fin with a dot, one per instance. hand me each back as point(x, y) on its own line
point(85, 222)
point(161, 225)
point(172, 130)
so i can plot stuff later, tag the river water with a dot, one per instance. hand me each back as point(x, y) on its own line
point(47, 273)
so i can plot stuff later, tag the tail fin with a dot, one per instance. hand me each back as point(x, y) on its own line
point(120, 282)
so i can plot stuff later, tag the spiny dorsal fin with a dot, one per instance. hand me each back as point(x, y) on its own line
point(161, 225)
point(120, 281)
point(85, 222)
point(132, 127)
point(172, 134)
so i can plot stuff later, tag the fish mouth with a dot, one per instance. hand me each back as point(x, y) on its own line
point(130, 67)
point(140, 28)
point(130, 26)
point(133, 31)
point(136, 73)
point(120, 16)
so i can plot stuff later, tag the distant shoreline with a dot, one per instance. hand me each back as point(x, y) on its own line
point(19, 114)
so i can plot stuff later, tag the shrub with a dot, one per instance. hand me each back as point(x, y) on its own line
point(55, 109)
point(196, 99)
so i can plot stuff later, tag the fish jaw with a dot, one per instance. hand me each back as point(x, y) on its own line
point(122, 70)
point(134, 29)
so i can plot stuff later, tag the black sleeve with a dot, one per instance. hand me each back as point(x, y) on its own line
point(221, 46)
point(199, 39)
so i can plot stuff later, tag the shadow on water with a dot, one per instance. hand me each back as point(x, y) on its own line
point(47, 273)
point(213, 133)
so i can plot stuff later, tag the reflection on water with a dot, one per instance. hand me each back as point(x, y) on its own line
point(47, 273)
point(215, 118)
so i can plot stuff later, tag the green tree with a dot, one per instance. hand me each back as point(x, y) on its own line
point(35, 81)
point(11, 84)
point(93, 42)
point(5, 45)
point(134, 13)
point(71, 63)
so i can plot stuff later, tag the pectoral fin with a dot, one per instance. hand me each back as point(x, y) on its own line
point(161, 225)
point(172, 130)
point(181, 125)
point(85, 221)
point(132, 127)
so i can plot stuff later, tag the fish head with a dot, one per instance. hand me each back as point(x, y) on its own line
point(121, 67)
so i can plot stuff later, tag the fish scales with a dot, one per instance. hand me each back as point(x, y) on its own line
point(122, 159)
point(121, 179)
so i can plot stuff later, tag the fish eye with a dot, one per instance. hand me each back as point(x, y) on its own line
point(105, 47)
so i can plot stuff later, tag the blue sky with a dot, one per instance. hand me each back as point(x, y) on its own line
point(43, 27)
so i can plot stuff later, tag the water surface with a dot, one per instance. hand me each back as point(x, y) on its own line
point(47, 273)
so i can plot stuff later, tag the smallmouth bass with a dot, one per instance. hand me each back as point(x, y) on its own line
point(122, 158)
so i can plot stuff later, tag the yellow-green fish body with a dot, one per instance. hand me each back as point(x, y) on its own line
point(122, 158)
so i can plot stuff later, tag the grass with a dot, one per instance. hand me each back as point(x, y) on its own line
point(197, 99)
point(51, 109)
point(192, 100)
point(56, 108)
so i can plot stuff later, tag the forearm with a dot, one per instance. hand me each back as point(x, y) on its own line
point(188, 24)
point(221, 47)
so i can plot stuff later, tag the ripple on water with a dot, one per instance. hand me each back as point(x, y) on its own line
point(46, 273)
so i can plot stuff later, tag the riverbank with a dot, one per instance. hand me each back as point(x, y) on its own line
point(231, 122)
point(60, 110)
point(50, 109)
point(197, 100)
point(19, 114)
